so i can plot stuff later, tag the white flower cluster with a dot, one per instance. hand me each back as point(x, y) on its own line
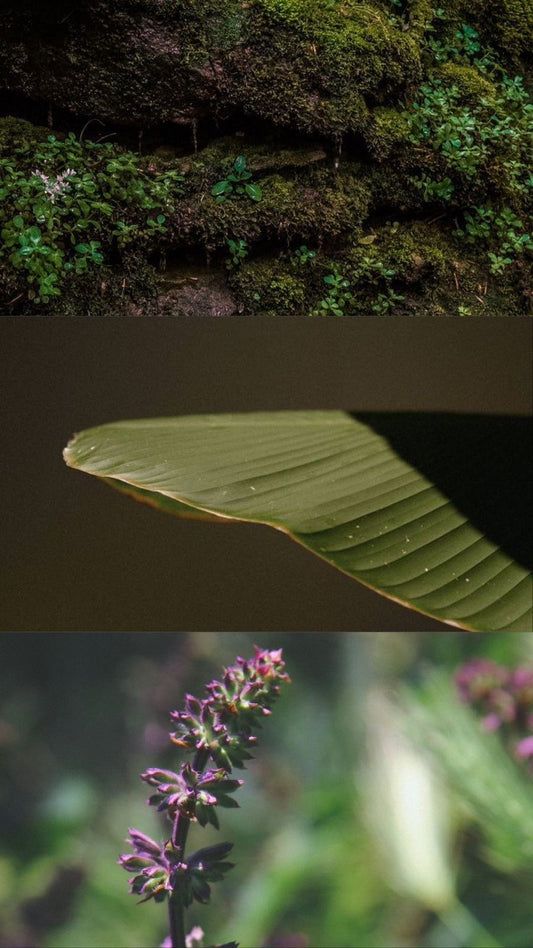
point(55, 187)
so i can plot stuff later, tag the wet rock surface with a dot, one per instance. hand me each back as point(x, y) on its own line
point(187, 291)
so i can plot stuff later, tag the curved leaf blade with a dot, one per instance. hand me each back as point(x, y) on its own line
point(338, 486)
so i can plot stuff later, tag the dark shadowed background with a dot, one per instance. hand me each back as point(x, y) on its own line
point(77, 556)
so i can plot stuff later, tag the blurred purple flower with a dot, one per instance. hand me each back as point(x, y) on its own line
point(524, 748)
point(503, 696)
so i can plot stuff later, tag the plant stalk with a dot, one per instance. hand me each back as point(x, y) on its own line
point(176, 917)
point(180, 830)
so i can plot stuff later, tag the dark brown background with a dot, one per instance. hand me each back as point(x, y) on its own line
point(77, 556)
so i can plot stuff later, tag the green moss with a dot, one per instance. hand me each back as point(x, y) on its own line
point(392, 188)
point(313, 66)
point(471, 83)
point(302, 63)
point(270, 288)
point(416, 251)
point(421, 15)
point(17, 133)
point(310, 202)
point(504, 24)
point(108, 292)
point(216, 160)
point(385, 133)
point(435, 275)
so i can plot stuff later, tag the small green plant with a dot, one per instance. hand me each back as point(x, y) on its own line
point(464, 43)
point(68, 204)
point(385, 302)
point(302, 255)
point(434, 190)
point(498, 263)
point(490, 136)
point(238, 250)
point(468, 40)
point(502, 231)
point(371, 270)
point(30, 253)
point(477, 225)
point(237, 182)
point(338, 295)
point(400, 10)
point(371, 274)
point(439, 120)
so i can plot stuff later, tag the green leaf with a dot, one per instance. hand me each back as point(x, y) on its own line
point(254, 192)
point(240, 164)
point(431, 510)
point(220, 188)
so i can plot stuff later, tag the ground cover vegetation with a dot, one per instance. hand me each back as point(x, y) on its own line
point(353, 158)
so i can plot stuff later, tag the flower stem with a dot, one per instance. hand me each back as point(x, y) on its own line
point(180, 831)
point(176, 920)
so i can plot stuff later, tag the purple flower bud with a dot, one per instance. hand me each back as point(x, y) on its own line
point(154, 777)
point(144, 844)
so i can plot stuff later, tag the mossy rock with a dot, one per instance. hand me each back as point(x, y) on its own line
point(470, 82)
point(310, 201)
point(17, 133)
point(416, 251)
point(506, 25)
point(215, 161)
point(315, 95)
point(386, 133)
point(270, 288)
point(316, 67)
point(297, 63)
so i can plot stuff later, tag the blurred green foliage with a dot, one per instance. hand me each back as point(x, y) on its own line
point(377, 811)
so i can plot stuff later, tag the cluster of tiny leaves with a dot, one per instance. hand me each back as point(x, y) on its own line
point(475, 140)
point(237, 183)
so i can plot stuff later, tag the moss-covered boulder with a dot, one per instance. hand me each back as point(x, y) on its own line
point(391, 139)
point(309, 64)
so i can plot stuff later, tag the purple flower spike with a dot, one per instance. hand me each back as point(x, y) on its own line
point(219, 728)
